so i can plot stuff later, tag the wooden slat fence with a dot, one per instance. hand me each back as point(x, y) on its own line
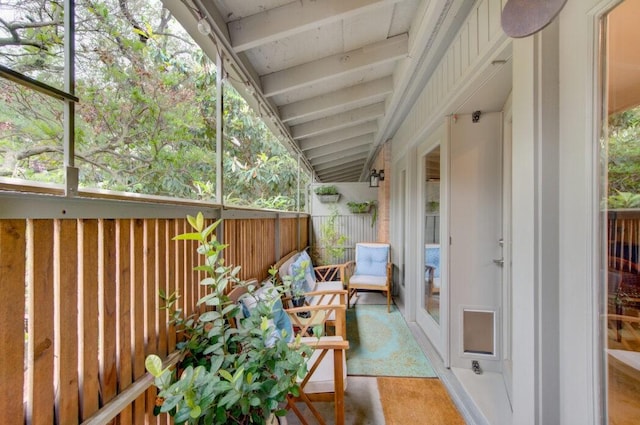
point(623, 239)
point(356, 228)
point(81, 309)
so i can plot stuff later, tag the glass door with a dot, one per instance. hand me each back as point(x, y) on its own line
point(431, 237)
point(431, 292)
point(620, 212)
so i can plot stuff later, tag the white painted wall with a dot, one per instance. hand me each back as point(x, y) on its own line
point(356, 192)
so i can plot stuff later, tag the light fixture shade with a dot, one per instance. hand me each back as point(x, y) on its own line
point(381, 175)
point(374, 179)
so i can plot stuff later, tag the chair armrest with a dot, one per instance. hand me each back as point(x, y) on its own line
point(323, 344)
point(318, 316)
point(331, 273)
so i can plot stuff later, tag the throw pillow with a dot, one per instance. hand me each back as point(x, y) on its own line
point(298, 272)
point(280, 321)
point(372, 260)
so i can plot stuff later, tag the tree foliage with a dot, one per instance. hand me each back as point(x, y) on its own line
point(624, 151)
point(146, 120)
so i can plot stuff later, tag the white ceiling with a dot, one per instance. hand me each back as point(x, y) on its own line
point(336, 75)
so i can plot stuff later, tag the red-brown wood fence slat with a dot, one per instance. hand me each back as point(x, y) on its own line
point(66, 320)
point(150, 297)
point(12, 316)
point(137, 313)
point(91, 290)
point(88, 306)
point(40, 319)
point(123, 318)
point(107, 312)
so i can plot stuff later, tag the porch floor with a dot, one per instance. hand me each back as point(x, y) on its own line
point(362, 398)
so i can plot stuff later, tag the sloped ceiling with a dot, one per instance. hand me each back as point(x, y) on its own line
point(336, 76)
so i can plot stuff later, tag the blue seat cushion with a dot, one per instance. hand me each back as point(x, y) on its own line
point(372, 260)
point(432, 258)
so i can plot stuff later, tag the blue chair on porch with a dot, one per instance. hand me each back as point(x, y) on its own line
point(432, 267)
point(372, 270)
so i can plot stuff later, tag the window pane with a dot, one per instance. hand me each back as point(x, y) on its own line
point(622, 232)
point(30, 135)
point(259, 170)
point(32, 39)
point(147, 102)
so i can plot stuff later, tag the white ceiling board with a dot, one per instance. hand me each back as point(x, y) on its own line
point(403, 15)
point(358, 152)
point(297, 17)
point(342, 175)
point(338, 135)
point(236, 9)
point(358, 141)
point(289, 52)
point(333, 102)
point(369, 74)
point(335, 66)
point(492, 94)
point(359, 32)
point(334, 122)
point(339, 165)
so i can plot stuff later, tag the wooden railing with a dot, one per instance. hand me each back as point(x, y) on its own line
point(623, 238)
point(81, 308)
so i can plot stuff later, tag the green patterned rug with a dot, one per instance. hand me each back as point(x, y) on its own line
point(381, 344)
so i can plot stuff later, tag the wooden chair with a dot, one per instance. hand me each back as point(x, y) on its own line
point(328, 287)
point(326, 380)
point(371, 270)
point(326, 376)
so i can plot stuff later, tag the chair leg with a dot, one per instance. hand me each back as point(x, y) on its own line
point(388, 301)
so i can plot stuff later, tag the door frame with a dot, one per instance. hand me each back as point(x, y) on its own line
point(438, 334)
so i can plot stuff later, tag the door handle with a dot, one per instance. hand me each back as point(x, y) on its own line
point(499, 261)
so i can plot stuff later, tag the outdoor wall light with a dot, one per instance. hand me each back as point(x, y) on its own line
point(375, 178)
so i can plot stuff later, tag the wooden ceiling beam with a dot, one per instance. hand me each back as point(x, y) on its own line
point(345, 176)
point(354, 142)
point(294, 18)
point(338, 121)
point(341, 156)
point(338, 135)
point(337, 101)
point(338, 165)
point(335, 66)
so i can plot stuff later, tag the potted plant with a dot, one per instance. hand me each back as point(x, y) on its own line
point(298, 297)
point(364, 208)
point(360, 207)
point(327, 193)
point(331, 247)
point(227, 374)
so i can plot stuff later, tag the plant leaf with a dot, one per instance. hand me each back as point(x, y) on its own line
point(153, 364)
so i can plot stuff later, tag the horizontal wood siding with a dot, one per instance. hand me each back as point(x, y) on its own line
point(82, 306)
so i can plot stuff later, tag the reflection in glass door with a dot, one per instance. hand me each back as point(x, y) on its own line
point(432, 234)
point(621, 214)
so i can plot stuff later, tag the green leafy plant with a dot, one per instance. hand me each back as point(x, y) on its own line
point(624, 200)
point(228, 374)
point(332, 242)
point(360, 207)
point(326, 190)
